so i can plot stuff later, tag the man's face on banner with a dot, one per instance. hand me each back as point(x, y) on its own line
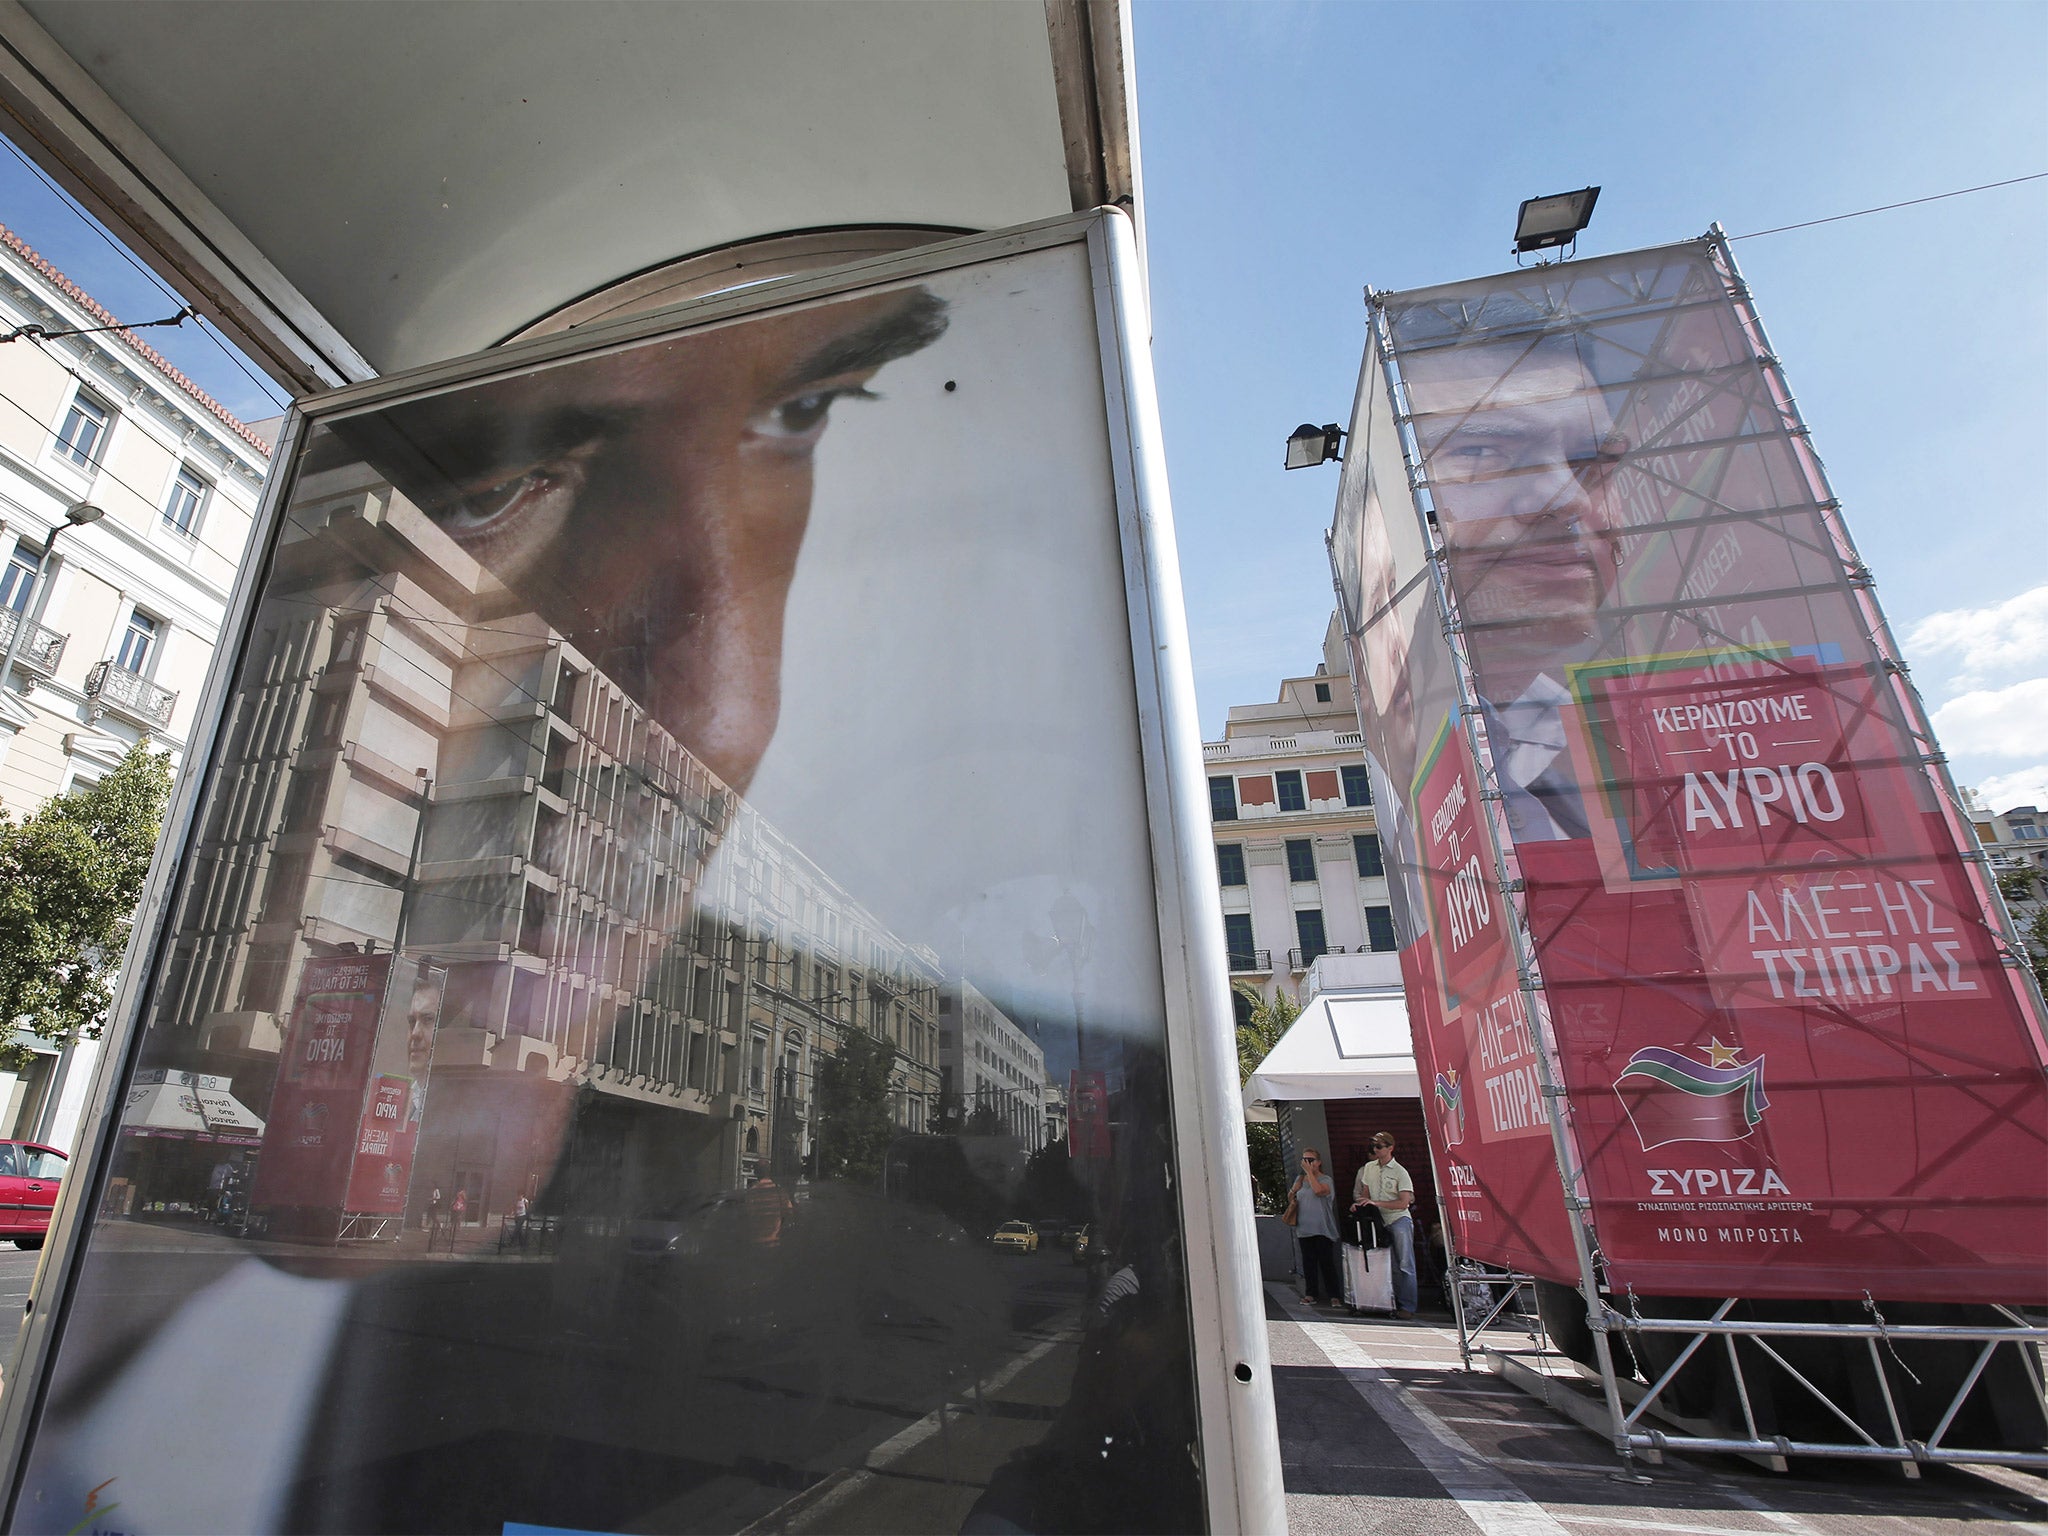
point(650, 503)
point(422, 1013)
point(1520, 450)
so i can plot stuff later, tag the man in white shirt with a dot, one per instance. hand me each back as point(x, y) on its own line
point(1385, 1185)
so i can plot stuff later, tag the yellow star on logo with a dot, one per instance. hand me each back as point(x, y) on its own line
point(1719, 1055)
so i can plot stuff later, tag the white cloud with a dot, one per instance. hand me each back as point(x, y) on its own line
point(1996, 722)
point(2003, 791)
point(1991, 642)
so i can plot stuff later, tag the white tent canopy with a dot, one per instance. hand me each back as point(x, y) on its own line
point(187, 1103)
point(1353, 1046)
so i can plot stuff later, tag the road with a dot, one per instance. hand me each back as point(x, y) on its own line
point(1381, 1430)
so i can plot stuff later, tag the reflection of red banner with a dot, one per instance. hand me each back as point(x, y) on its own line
point(385, 1143)
point(311, 1135)
point(1087, 1114)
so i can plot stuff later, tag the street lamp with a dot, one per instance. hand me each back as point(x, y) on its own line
point(77, 516)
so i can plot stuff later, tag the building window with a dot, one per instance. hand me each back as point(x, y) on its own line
point(1301, 859)
point(137, 643)
point(1237, 938)
point(1230, 863)
point(84, 431)
point(18, 580)
point(1365, 847)
point(188, 495)
point(1322, 693)
point(1357, 785)
point(1379, 929)
point(1288, 783)
point(1223, 799)
point(1308, 927)
point(1241, 1009)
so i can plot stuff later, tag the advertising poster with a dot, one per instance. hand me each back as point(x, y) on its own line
point(1474, 1042)
point(1796, 1065)
point(394, 1111)
point(310, 1135)
point(732, 715)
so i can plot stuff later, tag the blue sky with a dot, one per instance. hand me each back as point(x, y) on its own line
point(1294, 152)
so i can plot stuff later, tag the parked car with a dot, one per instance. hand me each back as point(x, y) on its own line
point(29, 1176)
point(1017, 1236)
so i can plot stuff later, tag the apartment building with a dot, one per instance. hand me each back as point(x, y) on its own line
point(113, 626)
point(991, 1069)
point(1297, 846)
point(619, 941)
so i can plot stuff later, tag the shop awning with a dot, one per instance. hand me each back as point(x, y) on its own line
point(1352, 1046)
point(197, 1110)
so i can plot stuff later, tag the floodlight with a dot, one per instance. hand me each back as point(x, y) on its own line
point(1554, 220)
point(1311, 445)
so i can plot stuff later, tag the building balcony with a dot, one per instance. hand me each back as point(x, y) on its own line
point(1251, 962)
point(41, 646)
point(134, 697)
point(1302, 959)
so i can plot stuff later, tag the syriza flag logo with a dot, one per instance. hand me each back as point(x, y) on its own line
point(1670, 1097)
point(1450, 1106)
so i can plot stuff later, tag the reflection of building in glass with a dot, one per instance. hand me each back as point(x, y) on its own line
point(1297, 842)
point(994, 1072)
point(418, 762)
point(112, 625)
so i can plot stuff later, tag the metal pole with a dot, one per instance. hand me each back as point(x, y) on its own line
point(1577, 1208)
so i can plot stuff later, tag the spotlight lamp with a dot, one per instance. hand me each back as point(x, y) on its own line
point(1310, 445)
point(1555, 220)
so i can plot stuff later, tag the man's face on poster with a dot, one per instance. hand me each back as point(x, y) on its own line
point(422, 1014)
point(1520, 450)
point(650, 503)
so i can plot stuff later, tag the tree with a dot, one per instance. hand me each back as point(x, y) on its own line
point(2019, 882)
point(70, 876)
point(854, 1124)
point(1265, 1023)
point(2036, 936)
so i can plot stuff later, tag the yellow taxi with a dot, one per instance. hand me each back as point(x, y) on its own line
point(1017, 1236)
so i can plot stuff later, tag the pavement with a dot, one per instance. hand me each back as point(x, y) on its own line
point(1382, 1429)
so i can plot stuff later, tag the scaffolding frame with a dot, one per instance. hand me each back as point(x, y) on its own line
point(1623, 1403)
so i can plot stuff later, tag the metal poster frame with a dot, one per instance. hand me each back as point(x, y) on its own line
point(1624, 1405)
point(1231, 1372)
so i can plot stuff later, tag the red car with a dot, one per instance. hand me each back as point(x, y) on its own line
point(29, 1176)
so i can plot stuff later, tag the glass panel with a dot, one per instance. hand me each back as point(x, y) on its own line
point(1288, 784)
point(17, 582)
point(45, 1165)
point(1357, 785)
point(10, 1160)
point(1301, 859)
point(543, 1196)
point(84, 424)
point(1230, 863)
point(1237, 935)
point(1223, 799)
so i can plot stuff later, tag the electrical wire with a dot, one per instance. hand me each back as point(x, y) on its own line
point(233, 354)
point(1911, 202)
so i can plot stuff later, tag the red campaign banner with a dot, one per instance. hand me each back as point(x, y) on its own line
point(1475, 1052)
point(311, 1134)
point(1795, 1061)
point(1088, 1114)
point(385, 1143)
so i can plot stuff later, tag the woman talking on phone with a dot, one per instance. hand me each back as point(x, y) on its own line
point(1316, 1226)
